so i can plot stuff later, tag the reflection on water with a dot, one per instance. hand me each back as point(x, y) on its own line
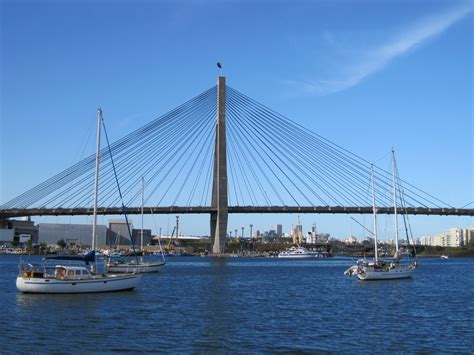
point(249, 305)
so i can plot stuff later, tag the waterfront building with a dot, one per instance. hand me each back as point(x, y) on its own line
point(323, 237)
point(71, 234)
point(279, 230)
point(297, 233)
point(450, 238)
point(136, 235)
point(19, 231)
point(426, 240)
point(118, 228)
point(468, 235)
point(6, 237)
point(311, 238)
point(351, 240)
point(453, 237)
point(314, 237)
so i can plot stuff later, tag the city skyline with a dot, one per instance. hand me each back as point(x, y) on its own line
point(369, 83)
point(385, 229)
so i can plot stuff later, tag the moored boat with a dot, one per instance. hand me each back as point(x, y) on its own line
point(63, 278)
point(121, 264)
point(72, 279)
point(124, 266)
point(381, 269)
point(297, 251)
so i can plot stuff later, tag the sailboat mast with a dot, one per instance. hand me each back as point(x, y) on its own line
point(300, 237)
point(293, 238)
point(143, 202)
point(96, 185)
point(374, 212)
point(177, 227)
point(394, 169)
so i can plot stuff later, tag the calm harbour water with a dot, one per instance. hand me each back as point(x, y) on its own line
point(249, 305)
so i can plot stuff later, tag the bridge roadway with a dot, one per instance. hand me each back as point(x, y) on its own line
point(12, 213)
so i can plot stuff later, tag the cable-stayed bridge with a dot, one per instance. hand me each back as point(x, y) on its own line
point(222, 152)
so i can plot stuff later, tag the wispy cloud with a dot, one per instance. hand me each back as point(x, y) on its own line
point(366, 63)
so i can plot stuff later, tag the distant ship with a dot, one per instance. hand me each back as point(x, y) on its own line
point(300, 253)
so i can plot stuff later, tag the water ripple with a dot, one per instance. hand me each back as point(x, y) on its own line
point(203, 305)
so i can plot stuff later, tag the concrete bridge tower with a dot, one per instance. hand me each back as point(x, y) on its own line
point(219, 182)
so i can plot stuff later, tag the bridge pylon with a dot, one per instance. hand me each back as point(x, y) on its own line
point(219, 182)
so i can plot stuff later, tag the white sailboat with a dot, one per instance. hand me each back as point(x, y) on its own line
point(64, 278)
point(381, 269)
point(122, 265)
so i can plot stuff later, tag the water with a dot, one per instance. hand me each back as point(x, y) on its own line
point(250, 305)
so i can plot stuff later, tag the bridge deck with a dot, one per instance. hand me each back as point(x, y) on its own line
point(11, 213)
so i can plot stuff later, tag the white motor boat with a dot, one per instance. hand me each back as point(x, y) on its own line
point(299, 253)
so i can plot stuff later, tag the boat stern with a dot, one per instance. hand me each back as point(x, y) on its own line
point(20, 284)
point(353, 270)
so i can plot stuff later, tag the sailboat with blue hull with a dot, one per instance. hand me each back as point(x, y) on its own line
point(62, 274)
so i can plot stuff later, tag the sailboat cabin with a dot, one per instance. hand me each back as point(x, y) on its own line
point(72, 273)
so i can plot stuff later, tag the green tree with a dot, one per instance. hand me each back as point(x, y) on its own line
point(43, 247)
point(61, 243)
point(29, 244)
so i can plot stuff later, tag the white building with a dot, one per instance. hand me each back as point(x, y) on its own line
point(453, 237)
point(311, 238)
point(351, 240)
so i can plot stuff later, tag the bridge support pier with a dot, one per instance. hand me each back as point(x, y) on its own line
point(219, 182)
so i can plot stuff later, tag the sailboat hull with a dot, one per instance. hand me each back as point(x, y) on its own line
point(138, 268)
point(110, 283)
point(393, 274)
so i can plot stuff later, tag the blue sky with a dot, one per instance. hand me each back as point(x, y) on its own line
point(368, 75)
